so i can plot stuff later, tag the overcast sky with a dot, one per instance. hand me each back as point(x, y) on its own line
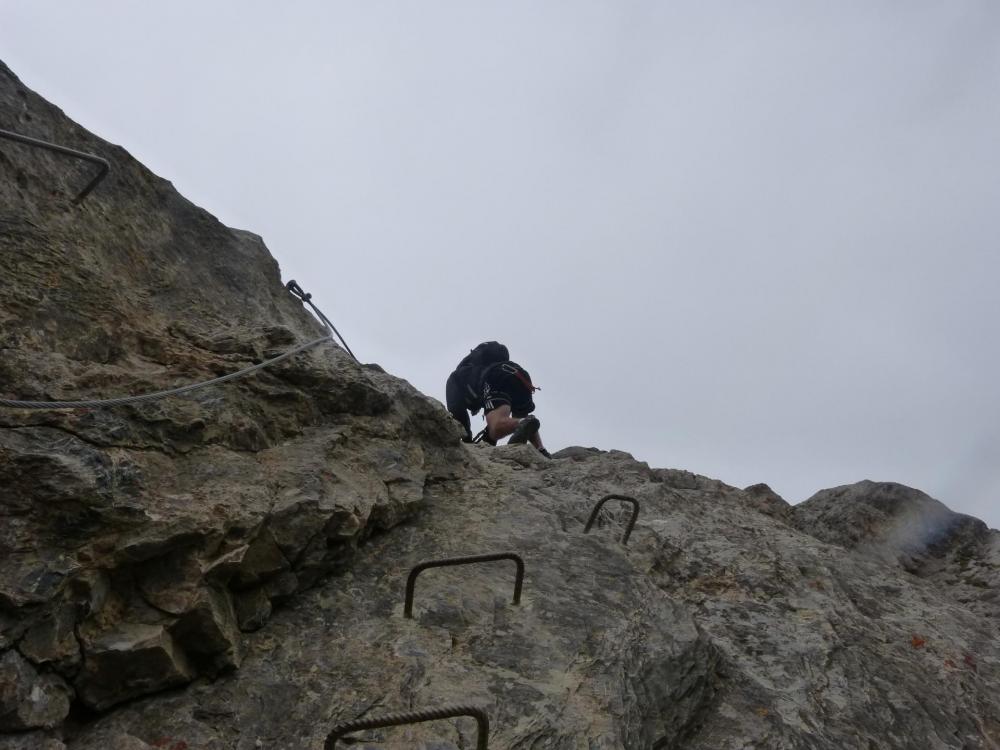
point(755, 240)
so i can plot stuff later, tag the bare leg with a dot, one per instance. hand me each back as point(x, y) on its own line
point(499, 423)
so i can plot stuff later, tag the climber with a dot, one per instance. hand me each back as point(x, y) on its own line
point(508, 403)
point(463, 391)
point(486, 379)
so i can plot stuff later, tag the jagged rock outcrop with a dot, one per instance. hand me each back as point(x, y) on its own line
point(769, 502)
point(136, 541)
point(226, 570)
point(905, 527)
point(718, 626)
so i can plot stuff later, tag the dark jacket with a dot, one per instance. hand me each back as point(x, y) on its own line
point(464, 389)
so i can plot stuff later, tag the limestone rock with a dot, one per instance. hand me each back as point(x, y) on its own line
point(128, 742)
point(250, 564)
point(716, 627)
point(208, 632)
point(878, 517)
point(29, 700)
point(130, 661)
point(117, 520)
point(153, 533)
point(253, 608)
point(30, 741)
point(53, 641)
point(904, 527)
point(121, 741)
point(170, 582)
point(767, 501)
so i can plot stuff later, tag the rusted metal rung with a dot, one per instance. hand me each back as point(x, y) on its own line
point(415, 717)
point(101, 162)
point(450, 561)
point(623, 498)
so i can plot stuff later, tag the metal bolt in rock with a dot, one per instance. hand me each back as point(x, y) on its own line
point(450, 561)
point(415, 717)
point(623, 498)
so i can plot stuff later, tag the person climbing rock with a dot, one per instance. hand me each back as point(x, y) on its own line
point(508, 403)
point(464, 391)
point(487, 379)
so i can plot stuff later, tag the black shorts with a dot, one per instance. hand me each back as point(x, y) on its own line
point(503, 387)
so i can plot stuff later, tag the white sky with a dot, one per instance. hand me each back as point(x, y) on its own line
point(753, 240)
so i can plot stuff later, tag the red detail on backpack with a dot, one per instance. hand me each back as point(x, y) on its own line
point(527, 383)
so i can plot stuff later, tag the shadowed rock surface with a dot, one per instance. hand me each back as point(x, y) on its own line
point(226, 569)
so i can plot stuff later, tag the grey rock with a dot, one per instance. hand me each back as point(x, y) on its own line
point(30, 741)
point(282, 587)
point(120, 741)
point(129, 661)
point(717, 627)
point(208, 632)
point(154, 532)
point(253, 609)
point(906, 528)
point(878, 517)
point(170, 582)
point(128, 742)
point(616, 660)
point(117, 519)
point(29, 700)
point(767, 501)
point(576, 453)
point(53, 641)
point(255, 562)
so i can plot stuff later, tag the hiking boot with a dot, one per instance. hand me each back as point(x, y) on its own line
point(525, 430)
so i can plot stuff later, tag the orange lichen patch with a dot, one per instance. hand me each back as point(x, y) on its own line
point(917, 642)
point(949, 663)
point(970, 661)
point(762, 712)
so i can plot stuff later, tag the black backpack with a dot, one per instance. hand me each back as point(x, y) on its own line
point(486, 354)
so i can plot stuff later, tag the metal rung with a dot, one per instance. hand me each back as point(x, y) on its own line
point(623, 498)
point(104, 164)
point(447, 562)
point(415, 717)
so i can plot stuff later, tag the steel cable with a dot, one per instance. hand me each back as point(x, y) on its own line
point(96, 403)
point(121, 400)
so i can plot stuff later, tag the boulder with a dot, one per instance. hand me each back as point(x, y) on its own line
point(250, 564)
point(253, 608)
point(129, 661)
point(208, 631)
point(29, 700)
point(52, 641)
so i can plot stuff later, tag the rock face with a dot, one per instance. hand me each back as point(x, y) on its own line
point(906, 528)
point(133, 537)
point(227, 569)
point(28, 699)
point(717, 626)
